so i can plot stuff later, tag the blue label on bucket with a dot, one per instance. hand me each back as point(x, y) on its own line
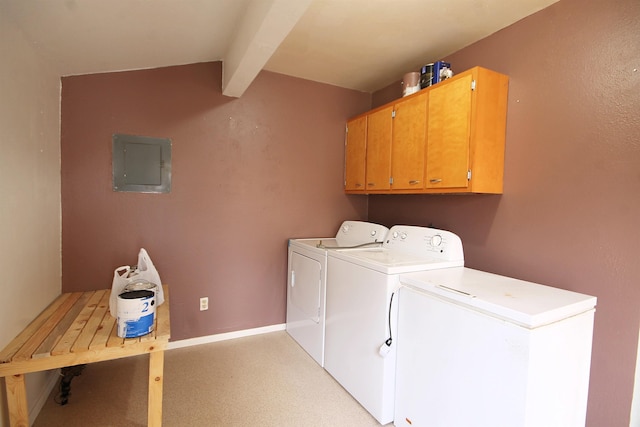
point(138, 327)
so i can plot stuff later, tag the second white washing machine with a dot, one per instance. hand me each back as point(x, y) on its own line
point(359, 340)
point(307, 278)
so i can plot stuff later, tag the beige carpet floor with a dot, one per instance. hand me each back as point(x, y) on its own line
point(262, 380)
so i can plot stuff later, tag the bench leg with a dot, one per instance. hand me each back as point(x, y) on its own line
point(156, 378)
point(17, 400)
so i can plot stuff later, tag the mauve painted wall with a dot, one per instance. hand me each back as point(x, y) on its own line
point(571, 204)
point(248, 174)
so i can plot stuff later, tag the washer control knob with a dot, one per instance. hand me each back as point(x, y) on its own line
point(403, 236)
point(395, 234)
point(436, 240)
point(373, 233)
point(345, 228)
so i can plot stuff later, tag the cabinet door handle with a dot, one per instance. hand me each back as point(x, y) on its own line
point(435, 180)
point(358, 185)
point(371, 184)
point(414, 182)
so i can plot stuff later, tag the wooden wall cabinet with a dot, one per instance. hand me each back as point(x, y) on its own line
point(355, 149)
point(378, 154)
point(391, 147)
point(448, 138)
point(408, 143)
point(466, 133)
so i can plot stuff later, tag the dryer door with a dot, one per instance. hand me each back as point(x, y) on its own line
point(304, 286)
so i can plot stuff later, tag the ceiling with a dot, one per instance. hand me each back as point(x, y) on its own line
point(357, 44)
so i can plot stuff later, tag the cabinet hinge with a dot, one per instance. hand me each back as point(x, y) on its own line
point(469, 175)
point(393, 114)
point(473, 85)
point(391, 181)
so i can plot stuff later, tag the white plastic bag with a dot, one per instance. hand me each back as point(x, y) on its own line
point(145, 270)
point(120, 280)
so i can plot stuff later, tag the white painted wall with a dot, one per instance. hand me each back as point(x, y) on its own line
point(30, 217)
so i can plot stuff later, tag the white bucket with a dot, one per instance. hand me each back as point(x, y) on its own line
point(136, 312)
point(410, 83)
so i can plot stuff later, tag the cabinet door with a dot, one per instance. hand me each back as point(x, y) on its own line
point(409, 139)
point(379, 128)
point(448, 134)
point(355, 154)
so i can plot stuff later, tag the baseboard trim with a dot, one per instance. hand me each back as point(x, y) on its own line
point(38, 404)
point(225, 336)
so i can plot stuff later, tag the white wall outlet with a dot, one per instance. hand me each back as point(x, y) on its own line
point(204, 303)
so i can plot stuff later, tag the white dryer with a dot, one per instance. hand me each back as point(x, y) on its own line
point(360, 320)
point(306, 282)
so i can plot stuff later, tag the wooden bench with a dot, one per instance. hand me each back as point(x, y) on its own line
point(77, 329)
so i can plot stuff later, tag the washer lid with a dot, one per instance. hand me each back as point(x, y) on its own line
point(389, 262)
point(528, 304)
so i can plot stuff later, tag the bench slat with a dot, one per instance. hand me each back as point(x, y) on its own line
point(12, 348)
point(87, 307)
point(49, 343)
point(92, 327)
point(43, 332)
point(104, 331)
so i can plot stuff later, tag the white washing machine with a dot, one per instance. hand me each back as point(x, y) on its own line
point(479, 349)
point(307, 277)
point(360, 317)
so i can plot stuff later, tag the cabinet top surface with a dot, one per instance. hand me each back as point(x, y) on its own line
point(471, 71)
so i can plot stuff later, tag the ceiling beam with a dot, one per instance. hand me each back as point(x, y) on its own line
point(264, 26)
